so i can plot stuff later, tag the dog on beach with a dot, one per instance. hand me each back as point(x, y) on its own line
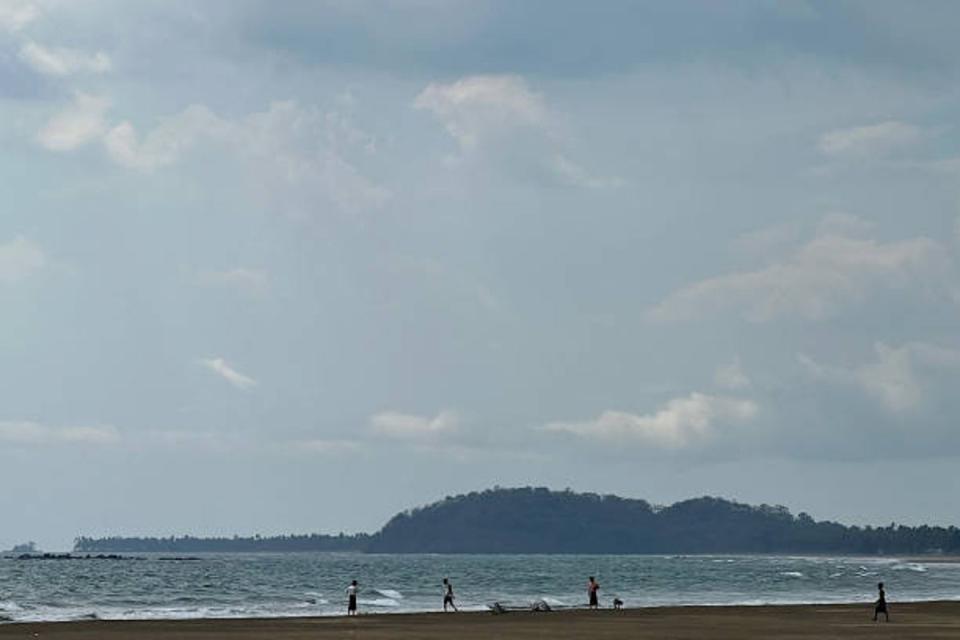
point(617, 604)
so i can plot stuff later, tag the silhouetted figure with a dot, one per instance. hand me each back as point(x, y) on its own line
point(448, 595)
point(592, 588)
point(352, 598)
point(617, 604)
point(881, 604)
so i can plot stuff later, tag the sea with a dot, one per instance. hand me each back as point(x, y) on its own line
point(313, 584)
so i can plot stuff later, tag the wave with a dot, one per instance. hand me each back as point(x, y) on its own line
point(379, 602)
point(9, 605)
point(909, 566)
point(792, 574)
point(390, 593)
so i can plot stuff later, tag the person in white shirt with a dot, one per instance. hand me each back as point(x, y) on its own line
point(352, 598)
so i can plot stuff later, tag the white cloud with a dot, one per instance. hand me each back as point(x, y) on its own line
point(19, 259)
point(575, 175)
point(732, 376)
point(294, 156)
point(870, 139)
point(894, 377)
point(502, 115)
point(891, 379)
point(82, 122)
point(16, 14)
point(32, 433)
point(60, 61)
point(832, 270)
point(228, 373)
point(163, 145)
point(474, 106)
point(253, 281)
point(682, 422)
point(404, 425)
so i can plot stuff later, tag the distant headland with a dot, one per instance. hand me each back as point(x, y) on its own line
point(538, 520)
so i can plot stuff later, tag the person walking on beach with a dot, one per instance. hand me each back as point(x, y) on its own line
point(352, 598)
point(448, 595)
point(881, 606)
point(592, 588)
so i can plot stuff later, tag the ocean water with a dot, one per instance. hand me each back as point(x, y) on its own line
point(268, 585)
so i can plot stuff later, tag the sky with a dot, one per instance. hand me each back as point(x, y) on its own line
point(293, 267)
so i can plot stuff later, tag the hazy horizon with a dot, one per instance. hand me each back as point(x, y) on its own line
point(272, 268)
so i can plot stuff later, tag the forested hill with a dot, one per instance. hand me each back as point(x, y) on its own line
point(543, 521)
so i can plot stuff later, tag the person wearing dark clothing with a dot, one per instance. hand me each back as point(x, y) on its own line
point(881, 606)
point(592, 588)
point(448, 595)
point(352, 598)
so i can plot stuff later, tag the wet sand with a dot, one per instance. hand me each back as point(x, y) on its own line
point(917, 621)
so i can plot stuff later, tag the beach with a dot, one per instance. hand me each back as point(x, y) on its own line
point(917, 621)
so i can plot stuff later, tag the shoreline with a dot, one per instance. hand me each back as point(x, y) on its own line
point(919, 620)
point(485, 611)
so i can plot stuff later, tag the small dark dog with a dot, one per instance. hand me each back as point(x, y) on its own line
point(617, 604)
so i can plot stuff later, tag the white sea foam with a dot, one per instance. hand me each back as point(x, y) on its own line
point(909, 566)
point(379, 602)
point(390, 593)
point(792, 574)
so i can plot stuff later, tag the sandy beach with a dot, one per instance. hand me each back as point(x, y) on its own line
point(917, 621)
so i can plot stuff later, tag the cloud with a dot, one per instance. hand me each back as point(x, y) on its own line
point(732, 377)
point(220, 367)
point(868, 140)
point(165, 144)
point(62, 62)
point(682, 422)
point(292, 154)
point(16, 14)
point(82, 122)
point(576, 176)
point(33, 433)
point(476, 106)
point(894, 377)
point(829, 272)
point(404, 425)
point(252, 281)
point(502, 115)
point(19, 259)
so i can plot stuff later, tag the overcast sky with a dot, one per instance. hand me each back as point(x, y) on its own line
point(292, 267)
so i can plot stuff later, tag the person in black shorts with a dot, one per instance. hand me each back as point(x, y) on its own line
point(592, 588)
point(881, 606)
point(352, 598)
point(448, 595)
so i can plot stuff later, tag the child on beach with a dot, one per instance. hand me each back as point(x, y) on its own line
point(881, 606)
point(592, 588)
point(352, 598)
point(448, 595)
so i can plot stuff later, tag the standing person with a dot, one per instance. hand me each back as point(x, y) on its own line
point(592, 588)
point(448, 595)
point(352, 598)
point(881, 606)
